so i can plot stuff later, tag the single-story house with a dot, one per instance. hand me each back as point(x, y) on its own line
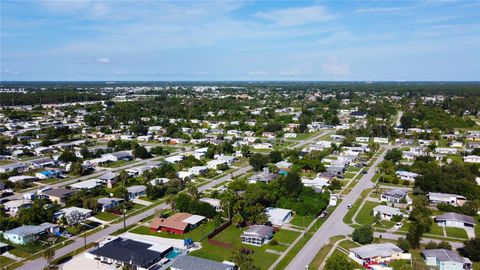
point(48, 174)
point(28, 233)
point(124, 251)
point(285, 165)
point(19, 167)
point(445, 259)
point(213, 202)
point(386, 212)
point(108, 203)
point(179, 223)
point(12, 207)
point(87, 184)
point(404, 175)
point(393, 195)
point(66, 212)
point(377, 253)
point(59, 195)
point(265, 177)
point(136, 191)
point(109, 178)
point(257, 235)
point(195, 263)
point(471, 159)
point(455, 220)
point(117, 156)
point(452, 199)
point(278, 216)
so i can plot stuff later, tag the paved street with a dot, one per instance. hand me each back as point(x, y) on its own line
point(334, 225)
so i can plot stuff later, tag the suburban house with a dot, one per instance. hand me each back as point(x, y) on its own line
point(117, 156)
point(19, 167)
point(136, 191)
point(123, 251)
point(445, 259)
point(336, 170)
point(179, 223)
point(28, 233)
point(386, 212)
point(66, 212)
point(13, 206)
point(195, 263)
point(452, 199)
point(109, 178)
point(278, 216)
point(108, 203)
point(404, 175)
point(373, 254)
point(59, 195)
point(264, 176)
point(87, 184)
point(455, 220)
point(48, 174)
point(394, 195)
point(213, 202)
point(446, 151)
point(471, 159)
point(380, 140)
point(257, 235)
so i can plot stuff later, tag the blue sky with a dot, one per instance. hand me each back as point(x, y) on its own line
point(240, 40)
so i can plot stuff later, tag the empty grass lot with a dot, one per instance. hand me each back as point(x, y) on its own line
point(301, 221)
point(456, 232)
point(365, 215)
point(105, 216)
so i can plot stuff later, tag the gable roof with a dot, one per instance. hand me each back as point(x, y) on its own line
point(194, 263)
point(376, 250)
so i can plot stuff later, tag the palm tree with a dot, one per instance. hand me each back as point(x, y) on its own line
point(237, 220)
point(48, 255)
point(171, 200)
point(193, 191)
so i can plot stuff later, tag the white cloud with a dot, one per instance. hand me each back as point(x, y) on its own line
point(379, 9)
point(103, 60)
point(334, 67)
point(297, 16)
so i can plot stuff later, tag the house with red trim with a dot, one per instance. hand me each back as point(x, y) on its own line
point(179, 223)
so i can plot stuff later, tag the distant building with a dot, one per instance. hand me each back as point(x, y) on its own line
point(455, 220)
point(179, 223)
point(452, 199)
point(29, 233)
point(386, 212)
point(446, 259)
point(136, 191)
point(394, 196)
point(108, 203)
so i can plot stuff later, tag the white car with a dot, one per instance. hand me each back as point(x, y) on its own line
point(398, 225)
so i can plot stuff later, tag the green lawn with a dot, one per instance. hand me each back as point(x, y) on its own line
point(365, 216)
point(5, 260)
point(286, 236)
point(301, 221)
point(116, 164)
point(348, 244)
point(105, 216)
point(232, 235)
point(196, 234)
point(456, 232)
point(349, 175)
point(436, 230)
point(401, 265)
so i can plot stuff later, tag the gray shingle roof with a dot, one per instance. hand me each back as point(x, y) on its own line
point(375, 250)
point(443, 255)
point(456, 217)
point(193, 263)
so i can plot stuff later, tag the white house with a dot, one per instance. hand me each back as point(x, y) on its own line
point(386, 212)
point(404, 175)
point(446, 151)
point(455, 220)
point(380, 140)
point(374, 254)
point(452, 199)
point(278, 216)
point(471, 159)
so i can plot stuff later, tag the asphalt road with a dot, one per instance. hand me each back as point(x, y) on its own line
point(334, 224)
